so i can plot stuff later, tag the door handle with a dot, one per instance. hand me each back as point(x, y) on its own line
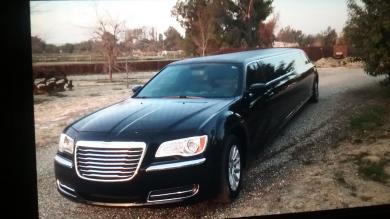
point(269, 93)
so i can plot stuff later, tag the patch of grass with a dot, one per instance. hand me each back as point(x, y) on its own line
point(368, 120)
point(385, 91)
point(357, 141)
point(373, 171)
point(117, 88)
point(365, 198)
point(339, 177)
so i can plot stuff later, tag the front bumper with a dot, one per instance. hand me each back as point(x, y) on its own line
point(156, 184)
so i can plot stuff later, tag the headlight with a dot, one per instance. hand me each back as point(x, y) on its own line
point(66, 144)
point(183, 147)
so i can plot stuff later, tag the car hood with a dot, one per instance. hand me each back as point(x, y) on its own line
point(151, 115)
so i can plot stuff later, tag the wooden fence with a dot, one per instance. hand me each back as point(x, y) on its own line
point(99, 68)
point(314, 53)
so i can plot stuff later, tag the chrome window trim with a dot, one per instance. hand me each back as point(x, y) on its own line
point(112, 144)
point(63, 161)
point(176, 165)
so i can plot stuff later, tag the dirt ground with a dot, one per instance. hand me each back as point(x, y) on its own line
point(354, 172)
point(318, 162)
point(53, 112)
point(332, 62)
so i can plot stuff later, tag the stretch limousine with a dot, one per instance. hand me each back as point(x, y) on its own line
point(186, 134)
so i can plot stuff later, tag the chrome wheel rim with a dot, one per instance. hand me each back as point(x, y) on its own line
point(234, 168)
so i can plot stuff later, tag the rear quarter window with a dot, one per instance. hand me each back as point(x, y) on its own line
point(282, 65)
point(300, 61)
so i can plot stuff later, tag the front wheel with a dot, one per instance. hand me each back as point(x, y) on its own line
point(231, 174)
point(315, 96)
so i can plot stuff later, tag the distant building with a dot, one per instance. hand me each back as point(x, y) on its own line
point(284, 44)
point(172, 53)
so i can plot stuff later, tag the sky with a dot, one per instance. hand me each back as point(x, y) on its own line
point(60, 22)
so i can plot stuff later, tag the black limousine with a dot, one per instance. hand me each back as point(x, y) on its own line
point(187, 133)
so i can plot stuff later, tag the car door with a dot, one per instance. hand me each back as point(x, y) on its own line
point(258, 110)
point(283, 84)
point(304, 79)
point(310, 76)
point(267, 108)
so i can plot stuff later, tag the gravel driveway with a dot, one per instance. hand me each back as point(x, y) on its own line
point(304, 140)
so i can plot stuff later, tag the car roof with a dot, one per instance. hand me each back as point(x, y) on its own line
point(238, 57)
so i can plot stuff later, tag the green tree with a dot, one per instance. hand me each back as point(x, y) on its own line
point(328, 37)
point(368, 30)
point(198, 18)
point(307, 40)
point(85, 46)
point(50, 48)
point(67, 48)
point(242, 21)
point(173, 39)
point(229, 23)
point(189, 46)
point(37, 45)
point(290, 35)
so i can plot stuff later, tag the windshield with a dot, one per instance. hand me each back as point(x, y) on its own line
point(206, 80)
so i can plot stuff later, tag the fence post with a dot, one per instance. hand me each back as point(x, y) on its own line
point(127, 75)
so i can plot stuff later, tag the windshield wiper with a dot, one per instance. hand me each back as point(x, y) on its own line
point(183, 97)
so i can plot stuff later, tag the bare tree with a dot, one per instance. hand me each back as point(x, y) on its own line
point(205, 27)
point(107, 32)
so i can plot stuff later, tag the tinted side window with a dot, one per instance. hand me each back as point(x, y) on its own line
point(306, 58)
point(299, 60)
point(281, 65)
point(269, 69)
point(255, 74)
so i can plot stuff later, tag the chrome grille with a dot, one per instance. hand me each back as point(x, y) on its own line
point(108, 161)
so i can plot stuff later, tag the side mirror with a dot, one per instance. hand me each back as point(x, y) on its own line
point(256, 88)
point(136, 88)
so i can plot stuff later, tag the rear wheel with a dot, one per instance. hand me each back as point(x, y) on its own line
point(231, 174)
point(315, 96)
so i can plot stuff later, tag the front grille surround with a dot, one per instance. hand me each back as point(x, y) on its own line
point(108, 161)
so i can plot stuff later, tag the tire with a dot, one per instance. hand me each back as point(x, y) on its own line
point(229, 186)
point(315, 96)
